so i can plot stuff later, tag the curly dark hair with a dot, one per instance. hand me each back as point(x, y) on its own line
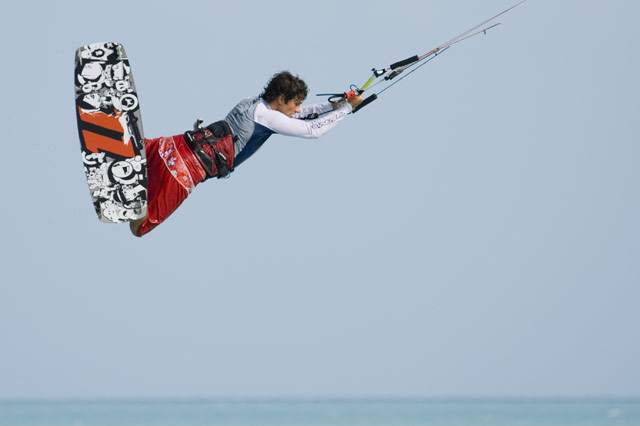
point(286, 84)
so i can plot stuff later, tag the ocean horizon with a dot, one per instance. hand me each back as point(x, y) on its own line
point(323, 412)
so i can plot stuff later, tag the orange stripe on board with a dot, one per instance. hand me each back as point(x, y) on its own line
point(111, 122)
point(96, 142)
point(99, 143)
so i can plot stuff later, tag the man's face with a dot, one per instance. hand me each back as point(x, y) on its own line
point(289, 108)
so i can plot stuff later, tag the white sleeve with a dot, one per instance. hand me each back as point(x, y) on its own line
point(280, 123)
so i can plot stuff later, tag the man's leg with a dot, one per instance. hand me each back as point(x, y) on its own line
point(134, 225)
point(165, 191)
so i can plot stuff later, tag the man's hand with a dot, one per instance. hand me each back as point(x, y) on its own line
point(355, 101)
point(338, 104)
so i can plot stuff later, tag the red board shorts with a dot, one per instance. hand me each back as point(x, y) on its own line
point(172, 172)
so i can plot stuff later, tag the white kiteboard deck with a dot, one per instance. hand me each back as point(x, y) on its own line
point(110, 130)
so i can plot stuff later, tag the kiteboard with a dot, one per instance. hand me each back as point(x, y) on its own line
point(110, 130)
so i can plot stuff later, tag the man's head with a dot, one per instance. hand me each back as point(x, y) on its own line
point(285, 92)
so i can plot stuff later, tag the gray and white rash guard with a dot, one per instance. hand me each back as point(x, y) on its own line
point(253, 121)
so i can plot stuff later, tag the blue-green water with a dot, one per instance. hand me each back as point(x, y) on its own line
point(321, 413)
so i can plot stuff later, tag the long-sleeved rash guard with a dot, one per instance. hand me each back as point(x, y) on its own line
point(253, 121)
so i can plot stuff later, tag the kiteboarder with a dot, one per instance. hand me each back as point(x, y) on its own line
point(175, 165)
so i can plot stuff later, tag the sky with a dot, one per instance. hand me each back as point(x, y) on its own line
point(472, 233)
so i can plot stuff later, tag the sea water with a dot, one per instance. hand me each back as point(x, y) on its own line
point(324, 413)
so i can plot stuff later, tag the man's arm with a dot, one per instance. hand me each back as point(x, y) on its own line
point(280, 123)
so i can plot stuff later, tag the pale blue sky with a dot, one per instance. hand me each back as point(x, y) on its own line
point(474, 232)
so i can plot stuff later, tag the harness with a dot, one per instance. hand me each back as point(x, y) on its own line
point(213, 147)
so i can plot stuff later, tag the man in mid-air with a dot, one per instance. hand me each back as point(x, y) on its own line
point(175, 165)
